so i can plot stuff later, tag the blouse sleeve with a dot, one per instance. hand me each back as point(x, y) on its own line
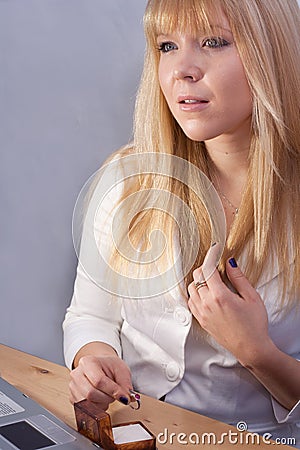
point(283, 415)
point(95, 312)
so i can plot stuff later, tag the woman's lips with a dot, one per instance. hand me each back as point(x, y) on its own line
point(192, 103)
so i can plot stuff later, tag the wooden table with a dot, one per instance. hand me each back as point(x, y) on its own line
point(47, 383)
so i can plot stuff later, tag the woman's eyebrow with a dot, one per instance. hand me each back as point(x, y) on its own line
point(221, 27)
point(215, 26)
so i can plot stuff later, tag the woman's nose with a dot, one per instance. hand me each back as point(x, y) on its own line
point(189, 72)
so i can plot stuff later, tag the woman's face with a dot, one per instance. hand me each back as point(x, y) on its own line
point(204, 83)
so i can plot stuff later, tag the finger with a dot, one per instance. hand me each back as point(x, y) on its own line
point(192, 307)
point(123, 377)
point(198, 275)
point(110, 388)
point(199, 284)
point(78, 385)
point(238, 279)
point(197, 308)
point(81, 389)
point(75, 393)
point(99, 397)
point(118, 371)
point(211, 261)
point(215, 281)
point(102, 382)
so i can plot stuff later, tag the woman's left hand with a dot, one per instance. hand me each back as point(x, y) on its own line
point(238, 322)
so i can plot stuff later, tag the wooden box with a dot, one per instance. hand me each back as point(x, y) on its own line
point(96, 425)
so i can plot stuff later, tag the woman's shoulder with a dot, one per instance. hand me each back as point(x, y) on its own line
point(111, 172)
point(120, 153)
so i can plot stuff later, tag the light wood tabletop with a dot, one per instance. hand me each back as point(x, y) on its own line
point(47, 383)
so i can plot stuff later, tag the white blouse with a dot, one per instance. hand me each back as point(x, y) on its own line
point(168, 355)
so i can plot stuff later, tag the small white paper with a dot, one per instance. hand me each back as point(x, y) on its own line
point(130, 433)
point(8, 406)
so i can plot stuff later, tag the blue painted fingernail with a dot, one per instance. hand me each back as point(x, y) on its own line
point(124, 400)
point(232, 262)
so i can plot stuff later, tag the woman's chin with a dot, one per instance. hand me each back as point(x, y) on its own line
point(196, 133)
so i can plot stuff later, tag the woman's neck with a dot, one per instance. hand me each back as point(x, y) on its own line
point(228, 165)
point(229, 154)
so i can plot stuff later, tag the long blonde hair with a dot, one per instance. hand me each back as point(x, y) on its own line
point(267, 36)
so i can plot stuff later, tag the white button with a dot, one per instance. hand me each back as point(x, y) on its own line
point(182, 316)
point(172, 371)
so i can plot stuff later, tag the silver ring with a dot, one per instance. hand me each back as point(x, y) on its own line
point(199, 284)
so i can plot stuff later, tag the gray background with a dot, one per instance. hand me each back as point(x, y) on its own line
point(68, 80)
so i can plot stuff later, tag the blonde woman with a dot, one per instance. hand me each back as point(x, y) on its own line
point(220, 91)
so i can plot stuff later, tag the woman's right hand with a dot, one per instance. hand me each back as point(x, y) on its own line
point(100, 379)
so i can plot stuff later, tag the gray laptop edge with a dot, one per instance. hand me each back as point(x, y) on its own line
point(25, 425)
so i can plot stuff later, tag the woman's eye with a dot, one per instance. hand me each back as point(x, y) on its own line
point(215, 42)
point(166, 47)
